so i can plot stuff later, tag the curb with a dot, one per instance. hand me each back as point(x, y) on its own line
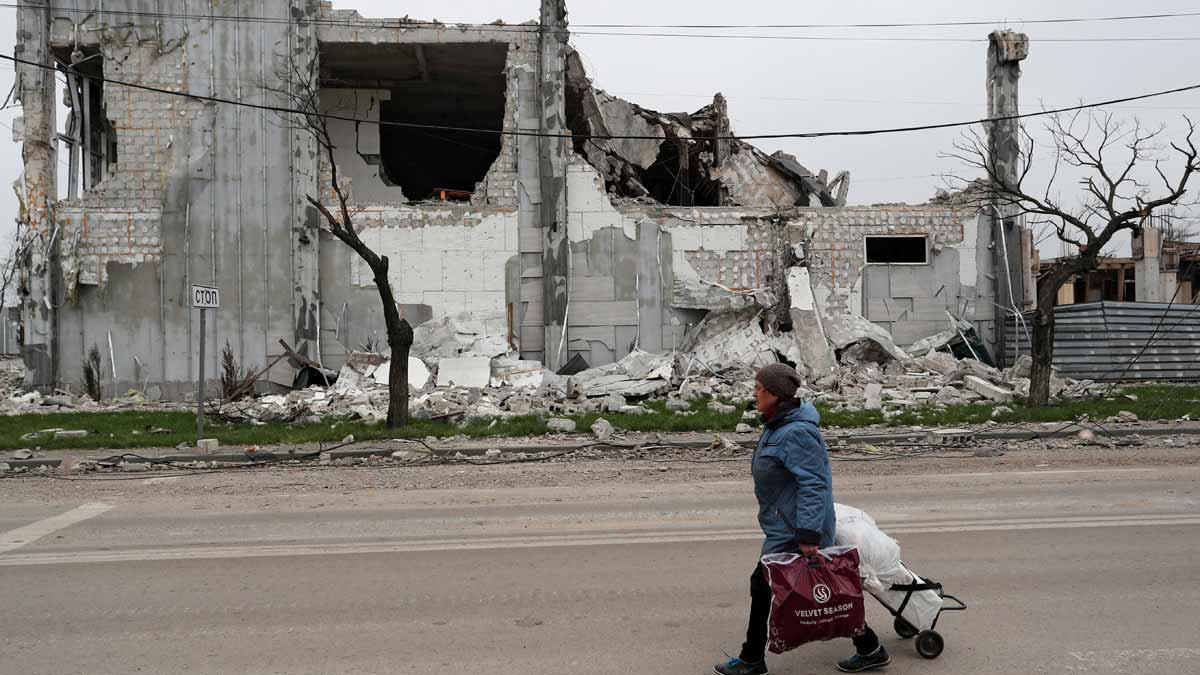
point(930, 437)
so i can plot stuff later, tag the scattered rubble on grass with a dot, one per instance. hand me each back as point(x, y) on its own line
point(462, 368)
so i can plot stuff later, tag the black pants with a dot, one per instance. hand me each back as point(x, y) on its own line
point(754, 649)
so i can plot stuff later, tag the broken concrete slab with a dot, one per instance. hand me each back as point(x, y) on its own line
point(939, 362)
point(873, 394)
point(74, 433)
point(508, 372)
point(467, 371)
point(857, 339)
point(811, 352)
point(561, 425)
point(987, 389)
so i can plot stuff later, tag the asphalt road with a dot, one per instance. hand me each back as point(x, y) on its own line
point(1066, 571)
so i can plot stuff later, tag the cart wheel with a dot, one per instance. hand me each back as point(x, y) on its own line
point(904, 629)
point(930, 644)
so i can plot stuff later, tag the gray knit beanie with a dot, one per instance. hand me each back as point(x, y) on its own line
point(779, 379)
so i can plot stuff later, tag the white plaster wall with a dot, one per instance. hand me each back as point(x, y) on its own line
point(452, 268)
point(588, 207)
point(351, 141)
point(968, 266)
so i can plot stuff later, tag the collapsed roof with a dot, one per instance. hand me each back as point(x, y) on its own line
point(685, 159)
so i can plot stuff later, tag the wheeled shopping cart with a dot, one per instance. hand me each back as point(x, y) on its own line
point(929, 642)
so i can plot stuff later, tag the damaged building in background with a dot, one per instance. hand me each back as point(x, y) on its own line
point(590, 229)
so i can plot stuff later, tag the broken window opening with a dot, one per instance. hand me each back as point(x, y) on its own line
point(436, 85)
point(89, 136)
point(897, 250)
point(678, 177)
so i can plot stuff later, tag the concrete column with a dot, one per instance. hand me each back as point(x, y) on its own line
point(42, 272)
point(552, 163)
point(1006, 50)
point(306, 274)
point(1150, 284)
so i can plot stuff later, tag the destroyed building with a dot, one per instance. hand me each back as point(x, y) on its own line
point(583, 227)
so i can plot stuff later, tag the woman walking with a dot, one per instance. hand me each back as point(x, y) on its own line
point(794, 487)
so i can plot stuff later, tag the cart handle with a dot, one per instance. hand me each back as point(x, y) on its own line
point(960, 605)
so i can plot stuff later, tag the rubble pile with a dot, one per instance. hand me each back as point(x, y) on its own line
point(465, 367)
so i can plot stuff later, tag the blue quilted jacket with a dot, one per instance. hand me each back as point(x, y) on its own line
point(793, 482)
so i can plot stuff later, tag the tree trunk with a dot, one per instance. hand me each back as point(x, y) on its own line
point(1043, 355)
point(400, 339)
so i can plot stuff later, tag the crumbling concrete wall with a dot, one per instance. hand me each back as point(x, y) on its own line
point(910, 300)
point(199, 193)
point(446, 257)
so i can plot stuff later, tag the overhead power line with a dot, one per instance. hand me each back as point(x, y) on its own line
point(711, 26)
point(518, 132)
point(363, 22)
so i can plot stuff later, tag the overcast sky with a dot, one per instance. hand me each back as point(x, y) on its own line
point(852, 82)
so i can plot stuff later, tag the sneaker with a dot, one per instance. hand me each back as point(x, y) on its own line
point(740, 667)
point(858, 663)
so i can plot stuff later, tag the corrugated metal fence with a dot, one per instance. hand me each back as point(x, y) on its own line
point(1104, 341)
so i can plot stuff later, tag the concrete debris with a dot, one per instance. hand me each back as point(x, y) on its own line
point(639, 374)
point(1001, 410)
point(23, 453)
point(613, 403)
point(467, 371)
point(508, 372)
point(1126, 416)
point(561, 425)
point(465, 334)
point(733, 340)
point(721, 408)
point(743, 428)
point(987, 389)
point(695, 147)
point(874, 396)
point(418, 374)
point(602, 429)
point(76, 433)
point(677, 405)
point(857, 341)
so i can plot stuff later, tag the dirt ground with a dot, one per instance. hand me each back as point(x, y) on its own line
point(589, 466)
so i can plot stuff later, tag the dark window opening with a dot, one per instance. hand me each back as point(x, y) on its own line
point(435, 85)
point(678, 177)
point(1080, 290)
point(89, 136)
point(908, 250)
point(1130, 290)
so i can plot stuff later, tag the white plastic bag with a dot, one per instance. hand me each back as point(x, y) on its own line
point(880, 566)
point(922, 607)
point(879, 554)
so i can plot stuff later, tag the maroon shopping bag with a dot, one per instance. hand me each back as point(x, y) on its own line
point(818, 598)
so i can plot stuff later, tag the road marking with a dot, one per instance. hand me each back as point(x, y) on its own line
point(14, 539)
point(1121, 660)
point(593, 538)
point(1051, 472)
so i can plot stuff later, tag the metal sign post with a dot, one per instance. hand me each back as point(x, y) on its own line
point(204, 298)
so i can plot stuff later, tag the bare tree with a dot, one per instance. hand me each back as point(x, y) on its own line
point(1114, 158)
point(304, 93)
point(12, 262)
